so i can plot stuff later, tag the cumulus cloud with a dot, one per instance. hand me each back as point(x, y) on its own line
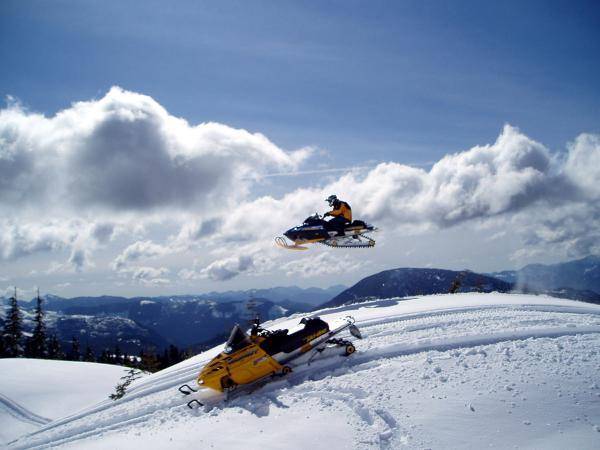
point(103, 232)
point(148, 275)
point(322, 264)
point(252, 259)
point(139, 250)
point(125, 152)
point(485, 181)
point(227, 268)
point(508, 176)
point(121, 164)
point(24, 239)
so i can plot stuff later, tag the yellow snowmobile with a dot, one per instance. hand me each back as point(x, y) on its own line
point(249, 358)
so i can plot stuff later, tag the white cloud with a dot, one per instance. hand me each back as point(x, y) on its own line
point(322, 264)
point(23, 239)
point(139, 250)
point(227, 268)
point(125, 152)
point(110, 170)
point(512, 177)
point(149, 275)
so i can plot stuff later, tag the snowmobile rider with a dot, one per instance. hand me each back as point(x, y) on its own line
point(341, 213)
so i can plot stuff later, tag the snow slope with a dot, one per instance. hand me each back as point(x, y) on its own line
point(448, 371)
point(33, 392)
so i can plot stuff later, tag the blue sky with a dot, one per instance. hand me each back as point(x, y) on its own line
point(404, 80)
point(361, 83)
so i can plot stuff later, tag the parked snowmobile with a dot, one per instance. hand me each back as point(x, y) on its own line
point(249, 358)
point(316, 230)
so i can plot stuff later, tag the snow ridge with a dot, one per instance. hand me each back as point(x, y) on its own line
point(20, 412)
point(421, 362)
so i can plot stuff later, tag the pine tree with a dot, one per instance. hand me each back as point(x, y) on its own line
point(105, 357)
point(54, 348)
point(13, 330)
point(118, 355)
point(89, 354)
point(75, 353)
point(2, 349)
point(148, 361)
point(36, 344)
point(174, 355)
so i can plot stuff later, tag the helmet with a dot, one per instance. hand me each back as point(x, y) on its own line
point(331, 199)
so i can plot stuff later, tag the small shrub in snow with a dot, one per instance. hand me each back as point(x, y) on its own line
point(121, 388)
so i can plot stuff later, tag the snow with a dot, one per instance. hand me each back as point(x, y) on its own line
point(33, 391)
point(447, 371)
point(147, 302)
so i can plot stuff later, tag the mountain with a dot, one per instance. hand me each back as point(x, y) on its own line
point(186, 323)
point(183, 320)
point(296, 299)
point(98, 331)
point(413, 281)
point(445, 371)
point(582, 274)
point(288, 294)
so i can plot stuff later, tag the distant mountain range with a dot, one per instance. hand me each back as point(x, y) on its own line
point(193, 320)
point(184, 320)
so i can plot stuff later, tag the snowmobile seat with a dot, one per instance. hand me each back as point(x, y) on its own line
point(274, 341)
point(357, 223)
point(313, 327)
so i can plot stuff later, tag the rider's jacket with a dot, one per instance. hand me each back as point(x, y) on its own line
point(342, 209)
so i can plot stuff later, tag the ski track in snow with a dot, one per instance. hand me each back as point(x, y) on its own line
point(20, 412)
point(456, 333)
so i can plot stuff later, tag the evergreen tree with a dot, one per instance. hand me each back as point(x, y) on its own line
point(164, 360)
point(54, 348)
point(105, 357)
point(149, 361)
point(36, 344)
point(13, 330)
point(89, 354)
point(2, 349)
point(174, 355)
point(75, 353)
point(117, 358)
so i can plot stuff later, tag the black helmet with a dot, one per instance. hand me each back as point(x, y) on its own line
point(331, 199)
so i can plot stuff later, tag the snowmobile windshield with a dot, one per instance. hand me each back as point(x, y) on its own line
point(237, 340)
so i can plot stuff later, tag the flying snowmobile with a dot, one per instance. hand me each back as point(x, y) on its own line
point(246, 359)
point(317, 230)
